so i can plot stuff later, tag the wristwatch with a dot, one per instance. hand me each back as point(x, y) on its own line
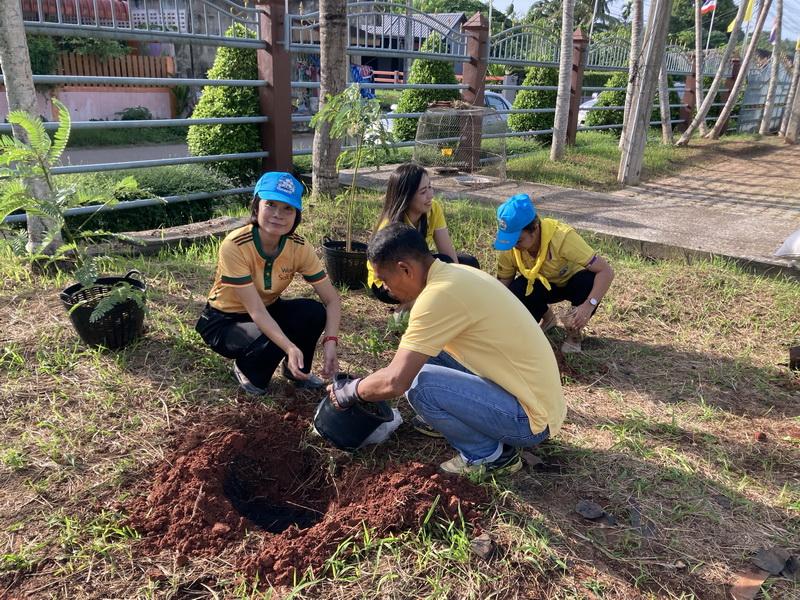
point(594, 301)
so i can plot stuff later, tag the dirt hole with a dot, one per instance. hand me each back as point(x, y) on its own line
point(247, 473)
point(271, 514)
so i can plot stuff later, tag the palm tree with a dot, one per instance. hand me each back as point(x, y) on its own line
point(698, 60)
point(722, 119)
point(21, 94)
point(769, 103)
point(700, 116)
point(564, 80)
point(634, 57)
point(333, 80)
point(787, 110)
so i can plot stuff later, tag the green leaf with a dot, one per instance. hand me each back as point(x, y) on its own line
point(121, 292)
point(88, 272)
point(61, 136)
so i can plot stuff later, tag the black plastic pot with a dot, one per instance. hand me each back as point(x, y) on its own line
point(347, 429)
point(119, 326)
point(343, 267)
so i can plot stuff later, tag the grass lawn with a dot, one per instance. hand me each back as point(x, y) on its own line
point(683, 425)
point(93, 138)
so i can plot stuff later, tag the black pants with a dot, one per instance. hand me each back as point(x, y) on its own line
point(234, 335)
point(464, 259)
point(576, 290)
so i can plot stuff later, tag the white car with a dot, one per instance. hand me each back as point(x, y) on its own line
point(583, 109)
point(490, 100)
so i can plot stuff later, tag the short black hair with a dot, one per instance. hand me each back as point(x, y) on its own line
point(396, 242)
point(531, 227)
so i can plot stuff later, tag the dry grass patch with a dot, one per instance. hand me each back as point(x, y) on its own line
point(683, 425)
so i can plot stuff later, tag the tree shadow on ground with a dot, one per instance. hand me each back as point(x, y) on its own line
point(666, 374)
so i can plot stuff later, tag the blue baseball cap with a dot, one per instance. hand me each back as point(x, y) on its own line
point(512, 215)
point(282, 187)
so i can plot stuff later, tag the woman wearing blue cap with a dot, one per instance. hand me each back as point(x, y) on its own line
point(246, 319)
point(544, 261)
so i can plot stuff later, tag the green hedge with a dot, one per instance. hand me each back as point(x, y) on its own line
point(161, 182)
point(424, 71)
point(536, 99)
point(220, 101)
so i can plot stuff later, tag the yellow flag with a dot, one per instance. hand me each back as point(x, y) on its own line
point(748, 14)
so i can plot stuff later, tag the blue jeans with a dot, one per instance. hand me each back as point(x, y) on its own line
point(474, 414)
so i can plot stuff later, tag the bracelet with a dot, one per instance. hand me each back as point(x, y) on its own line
point(329, 338)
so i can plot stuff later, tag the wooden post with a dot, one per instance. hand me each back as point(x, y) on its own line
point(633, 144)
point(579, 46)
point(275, 98)
point(689, 99)
point(474, 73)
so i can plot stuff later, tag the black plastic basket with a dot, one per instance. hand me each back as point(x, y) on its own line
point(343, 267)
point(119, 326)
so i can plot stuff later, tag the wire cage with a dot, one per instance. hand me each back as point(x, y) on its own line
point(463, 141)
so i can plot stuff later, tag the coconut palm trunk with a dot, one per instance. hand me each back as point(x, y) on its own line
point(700, 116)
point(793, 124)
point(333, 79)
point(632, 156)
point(722, 120)
point(21, 95)
point(564, 79)
point(663, 103)
point(769, 103)
point(634, 58)
point(787, 110)
point(698, 60)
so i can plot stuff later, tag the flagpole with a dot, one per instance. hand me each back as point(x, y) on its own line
point(711, 27)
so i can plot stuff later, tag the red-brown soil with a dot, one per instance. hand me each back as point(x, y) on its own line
point(274, 470)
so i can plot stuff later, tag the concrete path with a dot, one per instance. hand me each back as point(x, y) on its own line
point(741, 205)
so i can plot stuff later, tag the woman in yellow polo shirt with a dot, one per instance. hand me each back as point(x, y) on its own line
point(409, 199)
point(246, 319)
point(544, 261)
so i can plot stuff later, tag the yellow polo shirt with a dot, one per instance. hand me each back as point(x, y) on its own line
point(567, 254)
point(479, 322)
point(435, 221)
point(242, 261)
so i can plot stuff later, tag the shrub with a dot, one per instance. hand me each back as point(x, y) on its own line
point(43, 54)
point(609, 98)
point(204, 140)
point(135, 113)
point(536, 99)
point(617, 98)
point(424, 71)
point(161, 182)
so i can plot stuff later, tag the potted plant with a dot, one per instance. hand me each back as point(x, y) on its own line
point(360, 121)
point(107, 311)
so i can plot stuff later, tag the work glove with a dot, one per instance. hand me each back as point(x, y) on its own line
point(345, 392)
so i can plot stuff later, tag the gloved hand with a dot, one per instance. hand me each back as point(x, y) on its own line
point(345, 392)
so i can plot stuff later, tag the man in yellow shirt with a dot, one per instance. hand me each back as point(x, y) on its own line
point(473, 363)
point(554, 263)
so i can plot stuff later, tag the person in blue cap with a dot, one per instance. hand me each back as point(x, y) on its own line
point(543, 262)
point(246, 318)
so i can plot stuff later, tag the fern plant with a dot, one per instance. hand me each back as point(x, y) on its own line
point(20, 163)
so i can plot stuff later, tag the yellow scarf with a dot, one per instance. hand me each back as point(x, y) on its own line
point(548, 228)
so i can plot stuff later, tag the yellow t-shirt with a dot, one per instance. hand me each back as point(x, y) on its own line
point(435, 221)
point(479, 322)
point(567, 254)
point(242, 261)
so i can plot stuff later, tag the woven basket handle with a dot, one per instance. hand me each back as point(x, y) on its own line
point(134, 274)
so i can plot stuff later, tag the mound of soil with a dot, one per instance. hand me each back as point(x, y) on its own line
point(249, 469)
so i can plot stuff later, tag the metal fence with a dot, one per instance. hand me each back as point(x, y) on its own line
point(375, 29)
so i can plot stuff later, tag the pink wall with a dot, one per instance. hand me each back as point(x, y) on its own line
point(86, 103)
point(43, 106)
